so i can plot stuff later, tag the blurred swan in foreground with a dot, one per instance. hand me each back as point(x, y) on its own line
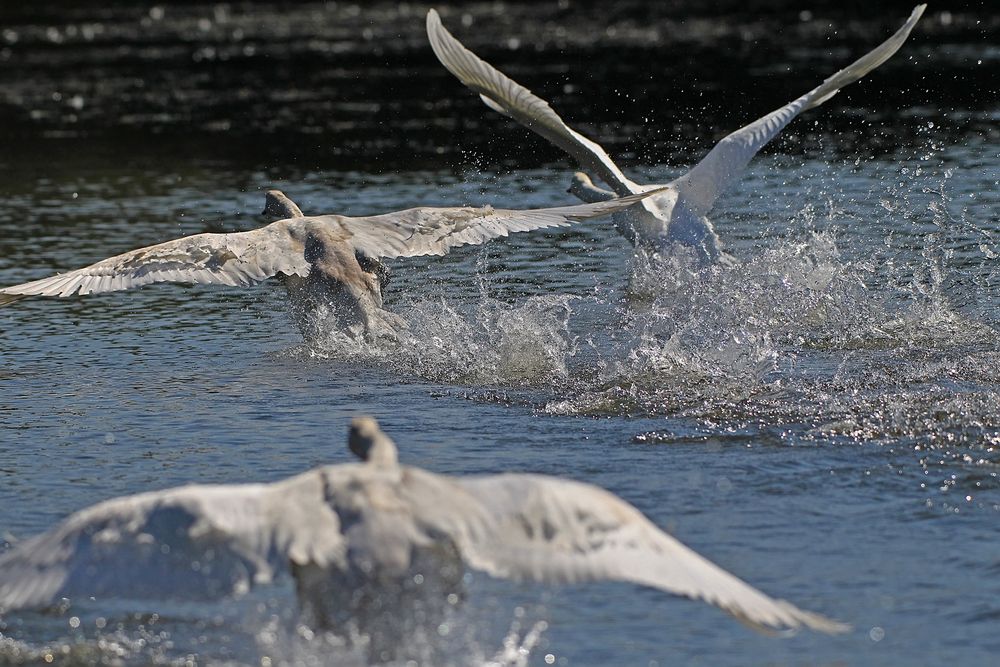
point(325, 259)
point(367, 541)
point(678, 215)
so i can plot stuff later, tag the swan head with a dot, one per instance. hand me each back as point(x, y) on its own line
point(370, 444)
point(278, 205)
point(584, 189)
point(580, 181)
point(374, 267)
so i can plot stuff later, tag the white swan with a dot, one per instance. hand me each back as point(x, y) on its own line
point(331, 259)
point(367, 541)
point(678, 215)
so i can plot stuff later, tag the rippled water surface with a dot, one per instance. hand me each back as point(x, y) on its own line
point(822, 418)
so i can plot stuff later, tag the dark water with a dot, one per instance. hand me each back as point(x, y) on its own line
point(821, 419)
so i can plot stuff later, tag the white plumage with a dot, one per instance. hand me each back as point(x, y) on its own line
point(319, 256)
point(370, 525)
point(678, 214)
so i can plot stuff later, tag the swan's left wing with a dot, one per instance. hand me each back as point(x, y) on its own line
point(701, 186)
point(237, 259)
point(504, 95)
point(187, 543)
point(435, 231)
point(553, 530)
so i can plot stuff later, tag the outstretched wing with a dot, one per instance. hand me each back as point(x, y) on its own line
point(508, 97)
point(435, 231)
point(188, 543)
point(553, 530)
point(700, 187)
point(241, 258)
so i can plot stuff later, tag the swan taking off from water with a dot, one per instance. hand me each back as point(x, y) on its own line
point(678, 215)
point(325, 259)
point(366, 541)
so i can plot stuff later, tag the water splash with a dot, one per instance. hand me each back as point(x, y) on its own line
point(517, 647)
point(458, 640)
point(266, 633)
point(799, 334)
point(120, 645)
point(848, 319)
point(487, 343)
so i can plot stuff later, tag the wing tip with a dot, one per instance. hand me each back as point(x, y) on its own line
point(436, 32)
point(795, 619)
point(911, 21)
point(817, 622)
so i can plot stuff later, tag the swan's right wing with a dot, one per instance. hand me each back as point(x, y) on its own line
point(700, 187)
point(241, 258)
point(188, 543)
point(553, 530)
point(510, 98)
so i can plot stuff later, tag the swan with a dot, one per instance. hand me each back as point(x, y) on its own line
point(678, 215)
point(366, 541)
point(325, 259)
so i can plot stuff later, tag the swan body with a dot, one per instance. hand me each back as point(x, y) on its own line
point(326, 259)
point(355, 535)
point(679, 214)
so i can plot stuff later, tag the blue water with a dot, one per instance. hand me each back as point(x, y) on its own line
point(821, 419)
